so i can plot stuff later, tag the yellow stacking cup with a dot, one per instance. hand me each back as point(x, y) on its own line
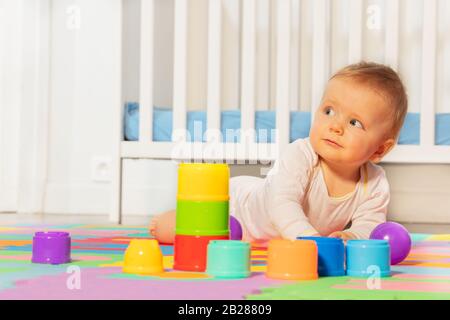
point(203, 182)
point(143, 256)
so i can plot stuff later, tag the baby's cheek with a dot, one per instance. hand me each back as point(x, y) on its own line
point(354, 156)
point(313, 132)
point(359, 148)
point(313, 138)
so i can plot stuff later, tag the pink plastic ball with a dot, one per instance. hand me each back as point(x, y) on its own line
point(398, 238)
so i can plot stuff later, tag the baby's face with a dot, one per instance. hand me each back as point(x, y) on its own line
point(351, 124)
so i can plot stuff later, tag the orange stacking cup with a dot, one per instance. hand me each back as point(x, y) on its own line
point(292, 259)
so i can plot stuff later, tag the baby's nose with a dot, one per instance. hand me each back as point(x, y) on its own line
point(336, 127)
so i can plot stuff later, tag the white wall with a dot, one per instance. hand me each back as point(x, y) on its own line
point(86, 53)
point(34, 108)
point(10, 100)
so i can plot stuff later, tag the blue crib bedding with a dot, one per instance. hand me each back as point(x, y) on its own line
point(300, 123)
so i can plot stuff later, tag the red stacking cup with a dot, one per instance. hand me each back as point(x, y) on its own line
point(190, 252)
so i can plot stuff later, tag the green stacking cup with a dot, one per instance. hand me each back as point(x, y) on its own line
point(228, 259)
point(202, 218)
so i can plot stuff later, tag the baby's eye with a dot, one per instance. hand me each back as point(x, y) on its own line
point(329, 111)
point(356, 123)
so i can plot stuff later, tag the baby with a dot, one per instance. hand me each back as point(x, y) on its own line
point(327, 184)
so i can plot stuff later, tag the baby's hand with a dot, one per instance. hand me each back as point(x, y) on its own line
point(344, 235)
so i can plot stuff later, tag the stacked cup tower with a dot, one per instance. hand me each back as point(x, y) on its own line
point(201, 214)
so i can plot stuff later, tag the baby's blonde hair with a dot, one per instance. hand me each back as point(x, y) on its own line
point(386, 82)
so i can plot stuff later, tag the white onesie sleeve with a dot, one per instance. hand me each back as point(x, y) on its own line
point(372, 212)
point(285, 188)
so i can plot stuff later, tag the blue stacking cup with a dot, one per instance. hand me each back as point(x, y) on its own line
point(331, 256)
point(228, 259)
point(367, 258)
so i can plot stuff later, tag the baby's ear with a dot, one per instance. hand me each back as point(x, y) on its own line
point(382, 150)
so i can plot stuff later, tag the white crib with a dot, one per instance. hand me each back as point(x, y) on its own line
point(247, 149)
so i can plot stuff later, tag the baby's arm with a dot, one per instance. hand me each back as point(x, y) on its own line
point(370, 214)
point(344, 235)
point(286, 186)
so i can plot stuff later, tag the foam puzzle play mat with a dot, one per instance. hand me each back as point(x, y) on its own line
point(96, 271)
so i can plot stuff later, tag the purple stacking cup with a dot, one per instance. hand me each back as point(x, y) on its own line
point(52, 247)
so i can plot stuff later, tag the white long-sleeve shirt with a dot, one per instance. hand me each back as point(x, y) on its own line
point(293, 199)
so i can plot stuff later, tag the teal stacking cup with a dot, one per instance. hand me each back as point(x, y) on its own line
point(228, 259)
point(331, 256)
point(366, 258)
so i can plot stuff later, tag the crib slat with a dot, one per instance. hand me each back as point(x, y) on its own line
point(146, 72)
point(295, 59)
point(321, 52)
point(355, 31)
point(283, 78)
point(427, 112)
point(214, 71)
point(392, 33)
point(180, 69)
point(248, 71)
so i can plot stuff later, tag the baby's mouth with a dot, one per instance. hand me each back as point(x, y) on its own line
point(332, 143)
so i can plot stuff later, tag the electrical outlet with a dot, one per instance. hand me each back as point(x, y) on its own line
point(101, 169)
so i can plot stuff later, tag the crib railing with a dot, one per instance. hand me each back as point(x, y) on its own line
point(247, 149)
point(426, 151)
